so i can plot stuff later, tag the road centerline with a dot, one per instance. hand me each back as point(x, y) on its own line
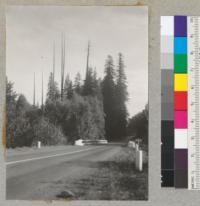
point(49, 156)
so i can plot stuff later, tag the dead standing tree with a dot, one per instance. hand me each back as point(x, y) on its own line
point(62, 64)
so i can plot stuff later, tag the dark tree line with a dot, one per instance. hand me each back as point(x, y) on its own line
point(138, 126)
point(114, 90)
point(91, 109)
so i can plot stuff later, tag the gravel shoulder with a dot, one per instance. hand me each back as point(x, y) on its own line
point(113, 179)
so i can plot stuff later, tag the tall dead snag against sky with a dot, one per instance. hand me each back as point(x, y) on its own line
point(54, 61)
point(42, 100)
point(88, 76)
point(34, 90)
point(62, 64)
point(53, 70)
point(88, 58)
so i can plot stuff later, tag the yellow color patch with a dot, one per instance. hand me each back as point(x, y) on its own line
point(180, 82)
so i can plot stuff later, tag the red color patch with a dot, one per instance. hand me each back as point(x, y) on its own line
point(180, 101)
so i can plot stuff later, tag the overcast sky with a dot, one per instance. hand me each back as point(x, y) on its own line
point(31, 32)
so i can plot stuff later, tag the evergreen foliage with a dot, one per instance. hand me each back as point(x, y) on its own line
point(77, 83)
point(68, 89)
point(18, 127)
point(115, 96)
point(138, 126)
point(48, 133)
point(109, 100)
point(53, 93)
point(10, 113)
point(121, 98)
point(93, 110)
point(89, 83)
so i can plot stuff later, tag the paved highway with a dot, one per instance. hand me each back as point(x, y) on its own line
point(33, 174)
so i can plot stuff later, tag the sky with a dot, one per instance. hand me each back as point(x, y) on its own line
point(31, 32)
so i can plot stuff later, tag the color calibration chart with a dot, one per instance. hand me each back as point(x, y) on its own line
point(180, 102)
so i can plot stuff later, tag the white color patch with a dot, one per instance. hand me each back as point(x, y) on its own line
point(167, 25)
point(181, 139)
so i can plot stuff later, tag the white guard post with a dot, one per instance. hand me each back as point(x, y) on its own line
point(139, 160)
point(137, 146)
point(39, 144)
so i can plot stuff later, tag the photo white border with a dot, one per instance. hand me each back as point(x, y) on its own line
point(157, 195)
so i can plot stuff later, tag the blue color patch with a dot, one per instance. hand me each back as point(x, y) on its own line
point(180, 45)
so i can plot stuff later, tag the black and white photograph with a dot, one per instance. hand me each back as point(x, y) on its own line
point(76, 103)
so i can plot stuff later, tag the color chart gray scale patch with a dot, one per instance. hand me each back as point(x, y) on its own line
point(167, 112)
point(167, 102)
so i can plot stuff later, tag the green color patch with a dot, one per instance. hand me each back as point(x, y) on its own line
point(180, 63)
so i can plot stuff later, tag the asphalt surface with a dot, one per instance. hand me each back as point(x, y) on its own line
point(32, 175)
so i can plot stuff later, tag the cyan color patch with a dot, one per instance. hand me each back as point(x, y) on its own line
point(180, 45)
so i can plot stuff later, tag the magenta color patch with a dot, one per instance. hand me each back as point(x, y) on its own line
point(180, 119)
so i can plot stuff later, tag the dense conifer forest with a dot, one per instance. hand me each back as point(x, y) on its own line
point(84, 108)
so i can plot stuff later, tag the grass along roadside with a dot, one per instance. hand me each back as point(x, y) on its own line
point(114, 179)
